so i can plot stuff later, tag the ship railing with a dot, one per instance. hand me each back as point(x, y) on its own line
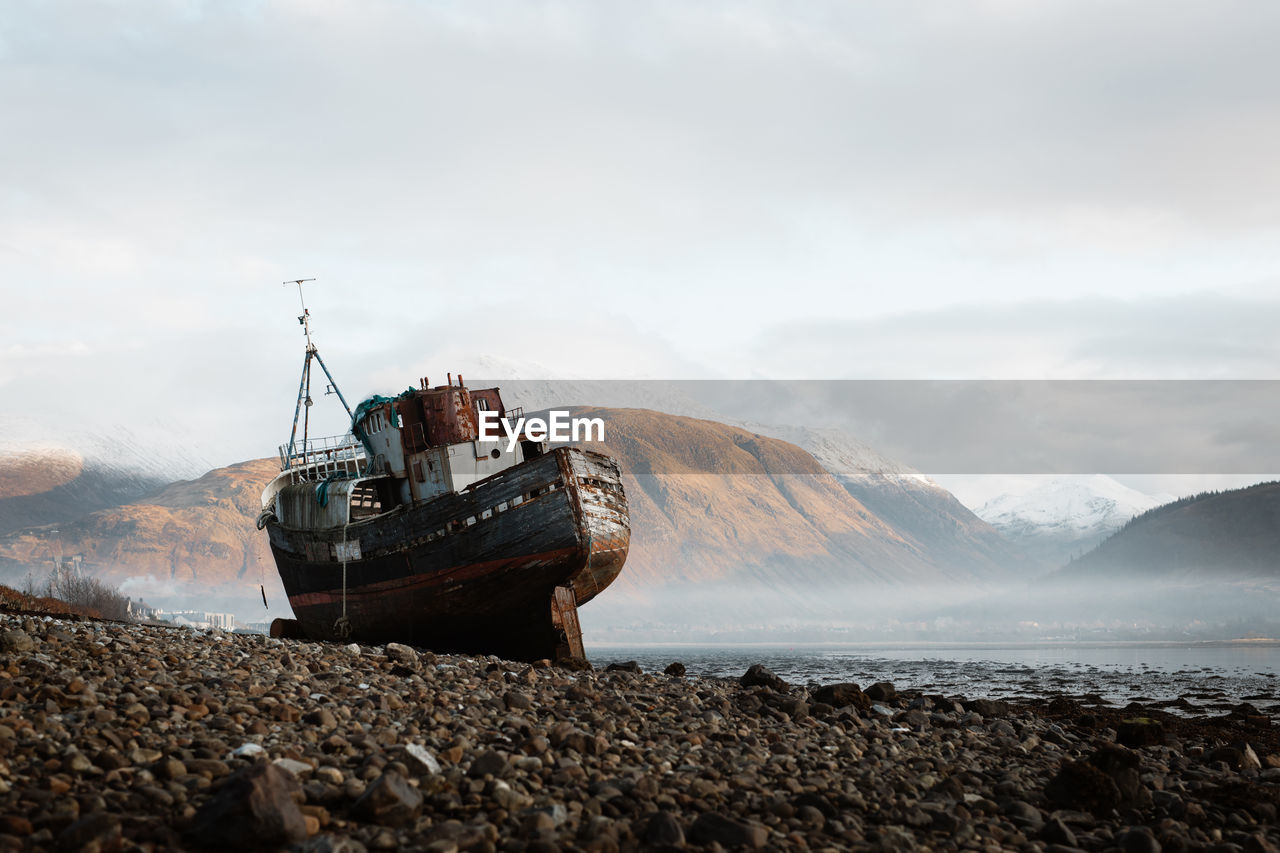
point(322, 458)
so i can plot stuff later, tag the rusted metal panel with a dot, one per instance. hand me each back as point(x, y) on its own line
point(492, 400)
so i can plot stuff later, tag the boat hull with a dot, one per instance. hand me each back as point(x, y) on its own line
point(471, 571)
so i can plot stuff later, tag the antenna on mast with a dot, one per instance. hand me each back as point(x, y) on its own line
point(304, 319)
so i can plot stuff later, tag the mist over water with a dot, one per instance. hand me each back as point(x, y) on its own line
point(1036, 610)
point(1212, 678)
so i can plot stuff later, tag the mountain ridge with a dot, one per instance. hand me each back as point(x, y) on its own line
point(709, 502)
point(1224, 534)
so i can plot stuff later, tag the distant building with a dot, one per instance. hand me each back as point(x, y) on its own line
point(140, 610)
point(199, 619)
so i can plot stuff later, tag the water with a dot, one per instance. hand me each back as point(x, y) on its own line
point(1210, 676)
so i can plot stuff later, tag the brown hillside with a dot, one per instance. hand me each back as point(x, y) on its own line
point(711, 501)
point(708, 501)
point(198, 531)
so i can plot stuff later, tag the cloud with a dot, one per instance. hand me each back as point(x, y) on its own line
point(630, 189)
point(1186, 336)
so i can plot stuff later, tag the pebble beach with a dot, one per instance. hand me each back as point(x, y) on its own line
point(135, 737)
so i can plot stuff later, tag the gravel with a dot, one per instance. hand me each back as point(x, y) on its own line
point(122, 737)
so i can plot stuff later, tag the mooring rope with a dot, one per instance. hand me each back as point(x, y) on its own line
point(342, 627)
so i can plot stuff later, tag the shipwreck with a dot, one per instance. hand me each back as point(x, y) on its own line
point(410, 528)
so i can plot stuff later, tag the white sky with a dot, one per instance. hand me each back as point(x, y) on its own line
point(661, 189)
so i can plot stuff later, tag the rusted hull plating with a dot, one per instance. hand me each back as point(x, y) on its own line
point(472, 571)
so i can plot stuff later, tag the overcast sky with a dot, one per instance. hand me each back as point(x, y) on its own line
point(632, 189)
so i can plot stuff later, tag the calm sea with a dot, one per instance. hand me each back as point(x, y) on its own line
point(1210, 676)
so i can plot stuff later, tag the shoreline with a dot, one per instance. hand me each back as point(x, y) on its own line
point(1264, 642)
point(120, 736)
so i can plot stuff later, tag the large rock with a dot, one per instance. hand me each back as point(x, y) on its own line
point(1140, 731)
point(882, 691)
point(1080, 786)
point(1123, 766)
point(253, 809)
point(842, 696)
point(987, 707)
point(759, 675)
point(1108, 779)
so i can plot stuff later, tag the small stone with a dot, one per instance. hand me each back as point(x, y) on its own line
point(443, 845)
point(15, 825)
point(675, 669)
point(547, 817)
point(97, 833)
point(489, 762)
point(297, 768)
point(1057, 832)
point(245, 750)
point(16, 640)
point(1023, 813)
point(1140, 840)
point(517, 701)
point(1258, 843)
point(352, 649)
point(711, 827)
point(389, 800)
point(330, 775)
point(329, 844)
point(385, 840)
point(402, 654)
point(662, 829)
point(322, 718)
point(169, 768)
point(143, 757)
point(420, 760)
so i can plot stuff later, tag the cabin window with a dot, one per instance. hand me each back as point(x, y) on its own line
point(482, 405)
point(417, 472)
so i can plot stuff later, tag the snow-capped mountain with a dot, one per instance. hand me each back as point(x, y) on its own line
point(1064, 517)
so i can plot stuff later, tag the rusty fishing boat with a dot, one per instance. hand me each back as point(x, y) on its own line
point(410, 528)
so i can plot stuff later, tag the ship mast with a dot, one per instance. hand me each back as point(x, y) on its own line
point(303, 407)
